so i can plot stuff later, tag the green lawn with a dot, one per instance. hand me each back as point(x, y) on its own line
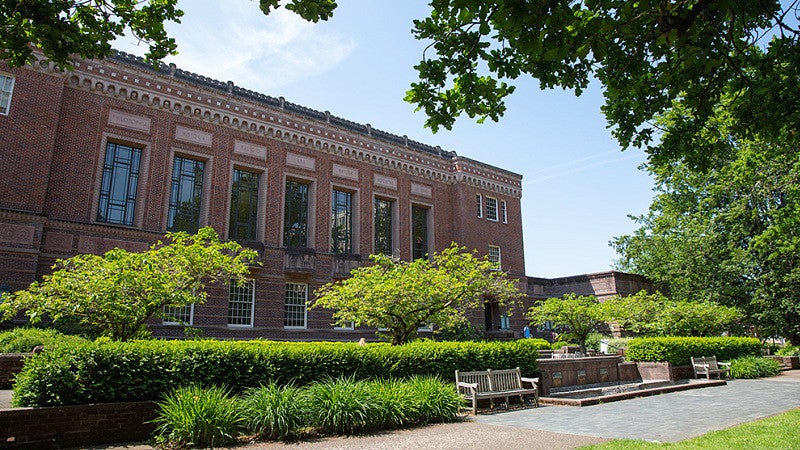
point(777, 432)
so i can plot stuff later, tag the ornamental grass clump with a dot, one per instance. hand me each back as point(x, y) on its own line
point(436, 401)
point(392, 404)
point(754, 367)
point(275, 412)
point(338, 406)
point(200, 417)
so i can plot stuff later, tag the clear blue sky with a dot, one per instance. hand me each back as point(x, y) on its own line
point(578, 187)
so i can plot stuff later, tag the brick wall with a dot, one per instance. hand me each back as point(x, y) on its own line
point(73, 426)
point(59, 127)
point(10, 365)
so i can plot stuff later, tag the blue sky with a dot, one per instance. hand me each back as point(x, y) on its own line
point(578, 186)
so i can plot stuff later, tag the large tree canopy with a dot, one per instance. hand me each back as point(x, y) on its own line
point(119, 291)
point(742, 54)
point(403, 296)
point(727, 235)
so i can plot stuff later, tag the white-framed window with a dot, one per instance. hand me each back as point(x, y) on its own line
point(6, 89)
point(347, 326)
point(241, 302)
point(495, 257)
point(503, 211)
point(491, 208)
point(427, 327)
point(479, 204)
point(178, 315)
point(294, 305)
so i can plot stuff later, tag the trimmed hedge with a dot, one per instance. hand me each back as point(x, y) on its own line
point(99, 372)
point(679, 350)
point(23, 340)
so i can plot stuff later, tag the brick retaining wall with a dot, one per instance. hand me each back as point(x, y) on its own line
point(73, 426)
point(10, 365)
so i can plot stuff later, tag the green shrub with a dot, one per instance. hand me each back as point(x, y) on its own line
point(593, 341)
point(754, 367)
point(23, 340)
point(679, 350)
point(434, 401)
point(789, 350)
point(558, 344)
point(338, 406)
point(618, 343)
point(97, 372)
point(392, 404)
point(197, 416)
point(275, 412)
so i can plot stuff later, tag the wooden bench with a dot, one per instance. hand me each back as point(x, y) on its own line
point(492, 384)
point(708, 365)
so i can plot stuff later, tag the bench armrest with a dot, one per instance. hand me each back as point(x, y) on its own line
point(472, 386)
point(724, 365)
point(532, 381)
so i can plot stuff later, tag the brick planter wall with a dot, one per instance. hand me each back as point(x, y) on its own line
point(73, 426)
point(787, 362)
point(561, 372)
point(664, 371)
point(10, 365)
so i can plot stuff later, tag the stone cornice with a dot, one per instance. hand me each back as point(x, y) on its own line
point(167, 88)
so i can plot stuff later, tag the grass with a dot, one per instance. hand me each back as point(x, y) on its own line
point(777, 432)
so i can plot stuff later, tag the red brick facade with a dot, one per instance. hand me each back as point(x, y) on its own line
point(53, 145)
point(53, 149)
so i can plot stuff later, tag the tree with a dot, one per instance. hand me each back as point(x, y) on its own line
point(83, 27)
point(655, 315)
point(741, 54)
point(727, 235)
point(402, 296)
point(119, 291)
point(582, 315)
point(61, 29)
point(646, 55)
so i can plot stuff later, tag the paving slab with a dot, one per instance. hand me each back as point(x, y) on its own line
point(668, 417)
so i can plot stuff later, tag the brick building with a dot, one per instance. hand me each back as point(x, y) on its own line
point(115, 153)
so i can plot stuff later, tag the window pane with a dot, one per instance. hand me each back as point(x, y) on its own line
point(244, 205)
point(295, 219)
point(342, 222)
point(491, 208)
point(294, 312)
point(119, 184)
point(494, 256)
point(479, 202)
point(383, 227)
point(240, 304)
point(181, 315)
point(6, 88)
point(419, 231)
point(184, 200)
point(503, 212)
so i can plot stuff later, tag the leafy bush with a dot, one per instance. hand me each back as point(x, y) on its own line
point(97, 372)
point(558, 344)
point(23, 340)
point(679, 350)
point(754, 367)
point(275, 412)
point(618, 343)
point(338, 406)
point(434, 401)
point(209, 416)
point(197, 416)
point(789, 350)
point(593, 341)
